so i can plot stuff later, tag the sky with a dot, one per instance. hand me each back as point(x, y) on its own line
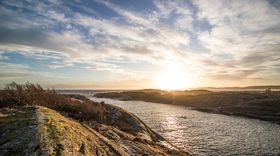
point(133, 44)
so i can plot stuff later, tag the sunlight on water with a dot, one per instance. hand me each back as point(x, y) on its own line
point(206, 134)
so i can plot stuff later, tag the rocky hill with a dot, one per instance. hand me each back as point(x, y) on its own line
point(37, 130)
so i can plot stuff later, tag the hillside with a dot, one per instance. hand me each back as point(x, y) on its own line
point(36, 130)
point(34, 121)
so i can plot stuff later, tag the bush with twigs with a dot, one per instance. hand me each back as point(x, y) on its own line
point(14, 95)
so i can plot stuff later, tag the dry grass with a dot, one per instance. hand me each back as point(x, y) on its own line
point(14, 95)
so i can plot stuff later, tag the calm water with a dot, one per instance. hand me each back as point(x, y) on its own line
point(204, 133)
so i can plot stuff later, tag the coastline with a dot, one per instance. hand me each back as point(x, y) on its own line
point(253, 105)
point(94, 128)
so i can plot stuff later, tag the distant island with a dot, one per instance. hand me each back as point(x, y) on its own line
point(247, 87)
point(263, 105)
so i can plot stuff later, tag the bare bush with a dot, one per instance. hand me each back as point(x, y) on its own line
point(15, 95)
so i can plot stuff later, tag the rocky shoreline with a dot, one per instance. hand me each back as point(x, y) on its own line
point(35, 121)
point(255, 105)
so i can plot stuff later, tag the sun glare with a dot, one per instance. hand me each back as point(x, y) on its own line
point(172, 78)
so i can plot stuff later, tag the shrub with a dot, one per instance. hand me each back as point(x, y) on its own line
point(76, 106)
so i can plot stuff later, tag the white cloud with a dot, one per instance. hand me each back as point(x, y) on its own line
point(239, 26)
point(108, 38)
point(99, 66)
point(11, 71)
point(130, 16)
point(247, 31)
point(244, 35)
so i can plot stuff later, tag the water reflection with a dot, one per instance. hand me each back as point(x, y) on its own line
point(206, 134)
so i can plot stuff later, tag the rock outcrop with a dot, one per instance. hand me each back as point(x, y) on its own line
point(36, 130)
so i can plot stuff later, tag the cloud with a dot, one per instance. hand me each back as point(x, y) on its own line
point(235, 37)
point(3, 58)
point(130, 16)
point(247, 31)
point(9, 70)
point(129, 84)
point(98, 66)
point(60, 64)
point(232, 75)
point(108, 38)
point(123, 72)
point(239, 26)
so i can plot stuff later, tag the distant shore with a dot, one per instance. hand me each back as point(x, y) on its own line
point(251, 104)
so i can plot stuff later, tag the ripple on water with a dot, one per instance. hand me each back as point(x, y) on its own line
point(204, 133)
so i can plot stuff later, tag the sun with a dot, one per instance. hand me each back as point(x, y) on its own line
point(172, 78)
